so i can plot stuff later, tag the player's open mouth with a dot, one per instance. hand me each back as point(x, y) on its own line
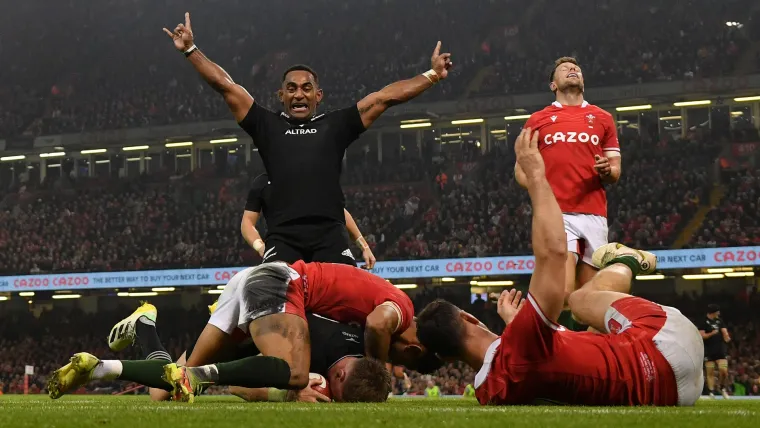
point(299, 108)
point(572, 75)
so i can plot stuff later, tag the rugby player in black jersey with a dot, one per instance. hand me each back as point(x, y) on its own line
point(336, 350)
point(284, 245)
point(303, 150)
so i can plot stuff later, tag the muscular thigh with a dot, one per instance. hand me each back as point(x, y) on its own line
point(285, 336)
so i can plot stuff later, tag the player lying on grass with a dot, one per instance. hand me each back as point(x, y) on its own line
point(337, 350)
point(269, 302)
point(651, 355)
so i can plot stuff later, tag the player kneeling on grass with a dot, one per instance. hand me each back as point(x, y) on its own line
point(651, 355)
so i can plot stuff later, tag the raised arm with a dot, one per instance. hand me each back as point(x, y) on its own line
point(549, 238)
point(374, 104)
point(236, 97)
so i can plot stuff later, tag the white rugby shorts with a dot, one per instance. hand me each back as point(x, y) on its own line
point(585, 234)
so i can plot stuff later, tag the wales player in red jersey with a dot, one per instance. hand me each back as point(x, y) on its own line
point(579, 144)
point(269, 302)
point(650, 354)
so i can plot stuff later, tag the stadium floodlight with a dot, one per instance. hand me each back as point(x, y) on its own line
point(448, 279)
point(93, 151)
point(102, 161)
point(692, 103)
point(184, 155)
point(517, 117)
point(634, 108)
point(66, 296)
point(745, 99)
point(224, 140)
point(220, 287)
point(137, 294)
point(134, 148)
point(26, 293)
point(215, 291)
point(162, 289)
point(720, 270)
point(180, 144)
point(737, 113)
point(492, 283)
point(623, 122)
point(52, 155)
point(415, 120)
point(12, 158)
point(498, 131)
point(3, 298)
point(415, 125)
point(739, 274)
point(466, 121)
point(704, 276)
point(137, 159)
point(405, 286)
point(649, 277)
point(670, 118)
point(54, 165)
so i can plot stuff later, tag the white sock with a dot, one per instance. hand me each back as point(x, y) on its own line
point(107, 370)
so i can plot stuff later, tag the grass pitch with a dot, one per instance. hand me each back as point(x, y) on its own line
point(81, 411)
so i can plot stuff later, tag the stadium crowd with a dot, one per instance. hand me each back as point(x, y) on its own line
point(193, 221)
point(734, 222)
point(82, 89)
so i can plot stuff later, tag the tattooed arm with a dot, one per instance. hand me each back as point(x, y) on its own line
point(374, 104)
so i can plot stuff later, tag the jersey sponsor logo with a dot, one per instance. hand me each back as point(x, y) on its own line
point(571, 137)
point(350, 337)
point(300, 131)
point(348, 253)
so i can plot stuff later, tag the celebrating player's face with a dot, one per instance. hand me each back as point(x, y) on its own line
point(568, 75)
point(300, 94)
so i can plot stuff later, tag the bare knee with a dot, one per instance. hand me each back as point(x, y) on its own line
point(577, 297)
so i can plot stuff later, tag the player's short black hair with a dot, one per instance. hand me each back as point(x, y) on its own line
point(561, 60)
point(300, 67)
point(428, 363)
point(440, 329)
point(368, 382)
point(712, 308)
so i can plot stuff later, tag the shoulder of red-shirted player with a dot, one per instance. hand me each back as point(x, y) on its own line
point(601, 111)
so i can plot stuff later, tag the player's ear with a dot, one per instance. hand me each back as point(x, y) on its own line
point(342, 374)
point(280, 94)
point(320, 94)
point(553, 87)
point(467, 317)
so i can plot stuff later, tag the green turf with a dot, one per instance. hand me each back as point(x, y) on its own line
point(216, 412)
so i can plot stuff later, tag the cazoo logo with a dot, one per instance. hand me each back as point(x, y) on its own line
point(571, 137)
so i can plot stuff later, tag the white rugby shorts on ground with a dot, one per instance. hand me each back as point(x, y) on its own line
point(677, 339)
point(585, 234)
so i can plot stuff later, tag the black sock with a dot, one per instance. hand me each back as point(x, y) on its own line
point(629, 261)
point(150, 344)
point(255, 372)
point(148, 373)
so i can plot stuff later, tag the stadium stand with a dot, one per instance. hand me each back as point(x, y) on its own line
point(461, 203)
